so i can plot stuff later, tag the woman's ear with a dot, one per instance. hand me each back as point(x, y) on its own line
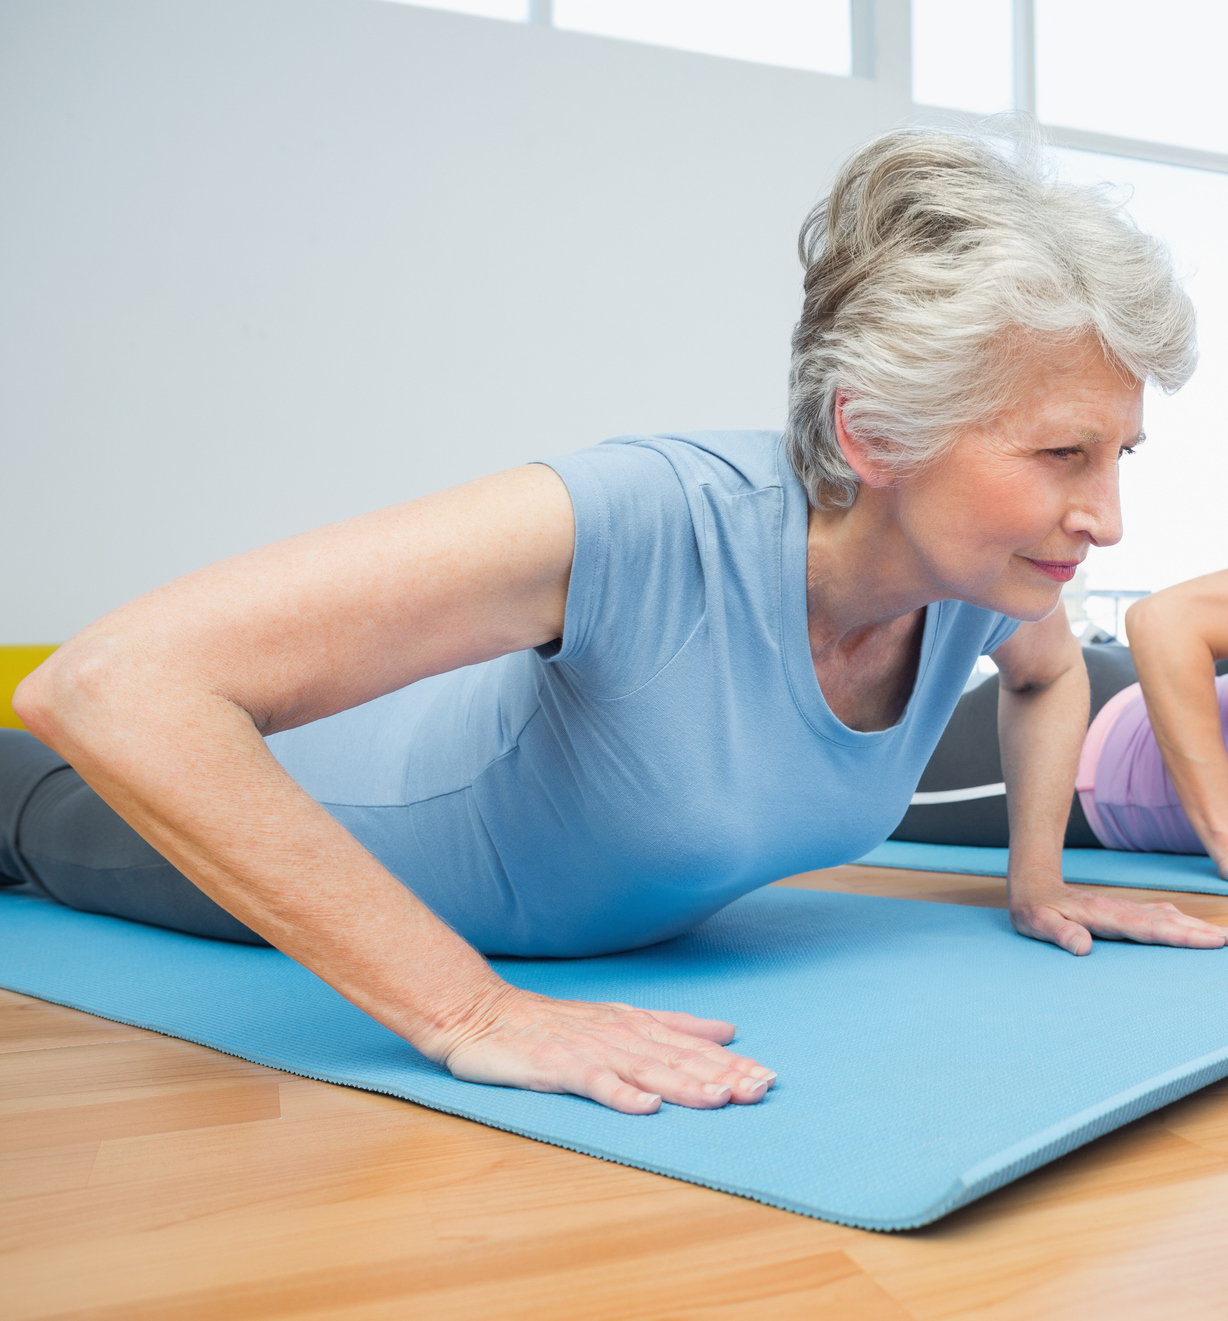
point(860, 456)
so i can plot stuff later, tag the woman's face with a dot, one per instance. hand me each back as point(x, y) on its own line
point(1006, 516)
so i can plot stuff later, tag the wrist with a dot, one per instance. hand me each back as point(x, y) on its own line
point(469, 1010)
point(1216, 840)
point(1025, 883)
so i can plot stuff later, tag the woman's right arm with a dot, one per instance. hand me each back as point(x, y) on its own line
point(1176, 636)
point(162, 706)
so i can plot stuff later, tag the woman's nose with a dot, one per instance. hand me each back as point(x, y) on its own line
point(1096, 513)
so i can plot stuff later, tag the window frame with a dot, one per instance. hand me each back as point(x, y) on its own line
point(882, 52)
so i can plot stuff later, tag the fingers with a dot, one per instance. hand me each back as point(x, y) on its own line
point(692, 1047)
point(625, 1058)
point(1149, 924)
point(1073, 917)
point(680, 1086)
point(1044, 922)
point(631, 1080)
point(638, 1084)
point(607, 1088)
point(708, 1062)
point(713, 1029)
point(1071, 937)
point(744, 1080)
point(1157, 925)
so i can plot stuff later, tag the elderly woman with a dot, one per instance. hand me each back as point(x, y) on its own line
point(579, 706)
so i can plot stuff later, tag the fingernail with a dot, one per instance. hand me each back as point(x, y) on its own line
point(756, 1087)
point(649, 1097)
point(760, 1072)
point(714, 1090)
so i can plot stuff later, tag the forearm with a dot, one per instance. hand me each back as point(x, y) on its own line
point(1175, 661)
point(191, 773)
point(1041, 733)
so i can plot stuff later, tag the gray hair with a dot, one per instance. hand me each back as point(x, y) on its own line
point(935, 259)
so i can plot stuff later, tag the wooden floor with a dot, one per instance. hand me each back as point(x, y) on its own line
point(144, 1178)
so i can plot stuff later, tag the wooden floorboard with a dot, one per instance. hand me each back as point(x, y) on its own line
point(147, 1178)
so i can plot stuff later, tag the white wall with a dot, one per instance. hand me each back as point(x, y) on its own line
point(267, 263)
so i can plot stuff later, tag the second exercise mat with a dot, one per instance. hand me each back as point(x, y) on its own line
point(1191, 873)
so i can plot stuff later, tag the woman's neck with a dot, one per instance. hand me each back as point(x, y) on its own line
point(865, 599)
point(861, 570)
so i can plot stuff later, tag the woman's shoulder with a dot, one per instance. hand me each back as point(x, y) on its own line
point(650, 488)
point(733, 461)
point(659, 524)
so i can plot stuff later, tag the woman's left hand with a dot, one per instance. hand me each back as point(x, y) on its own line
point(1070, 917)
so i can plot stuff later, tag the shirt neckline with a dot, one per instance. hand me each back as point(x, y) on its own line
point(795, 627)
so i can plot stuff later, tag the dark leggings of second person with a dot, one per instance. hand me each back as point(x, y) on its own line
point(59, 840)
point(967, 756)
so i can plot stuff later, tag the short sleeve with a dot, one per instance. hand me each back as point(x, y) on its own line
point(635, 594)
point(1001, 631)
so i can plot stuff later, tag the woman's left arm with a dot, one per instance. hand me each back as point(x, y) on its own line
point(1042, 718)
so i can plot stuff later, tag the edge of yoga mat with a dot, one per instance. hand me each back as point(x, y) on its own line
point(1184, 872)
point(983, 1177)
point(979, 1181)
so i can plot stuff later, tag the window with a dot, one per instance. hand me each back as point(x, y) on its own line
point(961, 54)
point(801, 34)
point(1135, 69)
point(517, 11)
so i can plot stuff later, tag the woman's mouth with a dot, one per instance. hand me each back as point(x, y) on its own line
point(1061, 571)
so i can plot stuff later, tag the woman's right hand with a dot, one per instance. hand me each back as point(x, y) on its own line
point(628, 1059)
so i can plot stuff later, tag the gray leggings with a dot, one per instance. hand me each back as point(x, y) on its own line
point(58, 839)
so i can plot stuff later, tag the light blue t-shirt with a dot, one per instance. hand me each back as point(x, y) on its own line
point(671, 752)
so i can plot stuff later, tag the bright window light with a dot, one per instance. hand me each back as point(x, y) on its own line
point(1173, 490)
point(961, 54)
point(1135, 68)
point(517, 11)
point(801, 34)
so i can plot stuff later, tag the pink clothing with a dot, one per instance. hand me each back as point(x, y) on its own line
point(1127, 797)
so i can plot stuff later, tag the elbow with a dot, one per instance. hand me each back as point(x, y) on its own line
point(32, 703)
point(61, 697)
point(1158, 623)
point(1139, 618)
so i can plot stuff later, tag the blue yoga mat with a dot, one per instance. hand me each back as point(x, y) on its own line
point(927, 1054)
point(1191, 873)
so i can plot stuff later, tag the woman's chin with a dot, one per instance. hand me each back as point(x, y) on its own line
point(1028, 602)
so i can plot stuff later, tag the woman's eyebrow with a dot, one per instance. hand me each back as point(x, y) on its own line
point(1090, 436)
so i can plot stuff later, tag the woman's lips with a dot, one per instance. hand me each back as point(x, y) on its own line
point(1061, 571)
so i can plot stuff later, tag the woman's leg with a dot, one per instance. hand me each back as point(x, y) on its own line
point(968, 755)
point(60, 840)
